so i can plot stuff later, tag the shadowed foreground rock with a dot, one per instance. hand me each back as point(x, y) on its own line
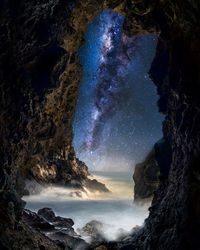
point(147, 174)
point(56, 228)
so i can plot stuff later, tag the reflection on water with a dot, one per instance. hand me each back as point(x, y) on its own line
point(115, 209)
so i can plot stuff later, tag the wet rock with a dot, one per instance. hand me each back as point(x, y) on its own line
point(67, 240)
point(92, 228)
point(97, 242)
point(127, 239)
point(47, 213)
point(57, 221)
point(57, 228)
point(62, 222)
point(36, 222)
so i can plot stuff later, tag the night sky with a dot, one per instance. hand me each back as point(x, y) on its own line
point(117, 120)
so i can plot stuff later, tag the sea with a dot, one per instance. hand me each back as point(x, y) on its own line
point(114, 209)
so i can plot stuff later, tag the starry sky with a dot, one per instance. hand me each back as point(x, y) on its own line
point(117, 120)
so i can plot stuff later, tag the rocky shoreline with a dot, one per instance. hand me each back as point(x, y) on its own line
point(61, 231)
point(66, 172)
point(57, 228)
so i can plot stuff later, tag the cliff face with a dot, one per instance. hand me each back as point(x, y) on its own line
point(153, 170)
point(37, 112)
point(40, 79)
point(146, 178)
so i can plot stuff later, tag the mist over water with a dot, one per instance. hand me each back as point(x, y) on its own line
point(115, 209)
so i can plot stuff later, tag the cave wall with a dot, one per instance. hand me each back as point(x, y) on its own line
point(40, 78)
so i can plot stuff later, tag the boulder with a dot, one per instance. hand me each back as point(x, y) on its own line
point(92, 228)
point(46, 213)
point(58, 229)
point(36, 221)
point(62, 222)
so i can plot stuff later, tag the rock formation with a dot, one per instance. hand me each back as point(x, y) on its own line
point(40, 78)
point(92, 229)
point(148, 173)
point(146, 178)
point(57, 228)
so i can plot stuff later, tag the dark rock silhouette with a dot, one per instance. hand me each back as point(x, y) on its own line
point(57, 228)
point(37, 222)
point(148, 173)
point(47, 213)
point(57, 221)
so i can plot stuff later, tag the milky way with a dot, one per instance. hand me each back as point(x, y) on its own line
point(116, 120)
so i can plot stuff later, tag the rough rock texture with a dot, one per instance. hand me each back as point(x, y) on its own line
point(92, 228)
point(56, 221)
point(47, 213)
point(39, 81)
point(148, 173)
point(146, 178)
point(57, 228)
point(36, 221)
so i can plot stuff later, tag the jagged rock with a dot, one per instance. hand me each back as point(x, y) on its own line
point(57, 221)
point(163, 155)
point(92, 228)
point(70, 173)
point(47, 213)
point(37, 222)
point(147, 174)
point(62, 222)
point(146, 178)
point(11, 206)
point(57, 228)
point(67, 240)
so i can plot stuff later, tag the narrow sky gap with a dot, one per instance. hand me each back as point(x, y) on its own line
point(117, 119)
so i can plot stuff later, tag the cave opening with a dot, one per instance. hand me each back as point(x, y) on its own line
point(117, 123)
point(39, 99)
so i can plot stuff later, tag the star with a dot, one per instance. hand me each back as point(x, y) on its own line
point(116, 116)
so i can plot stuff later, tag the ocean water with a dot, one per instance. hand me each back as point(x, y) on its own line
point(114, 209)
